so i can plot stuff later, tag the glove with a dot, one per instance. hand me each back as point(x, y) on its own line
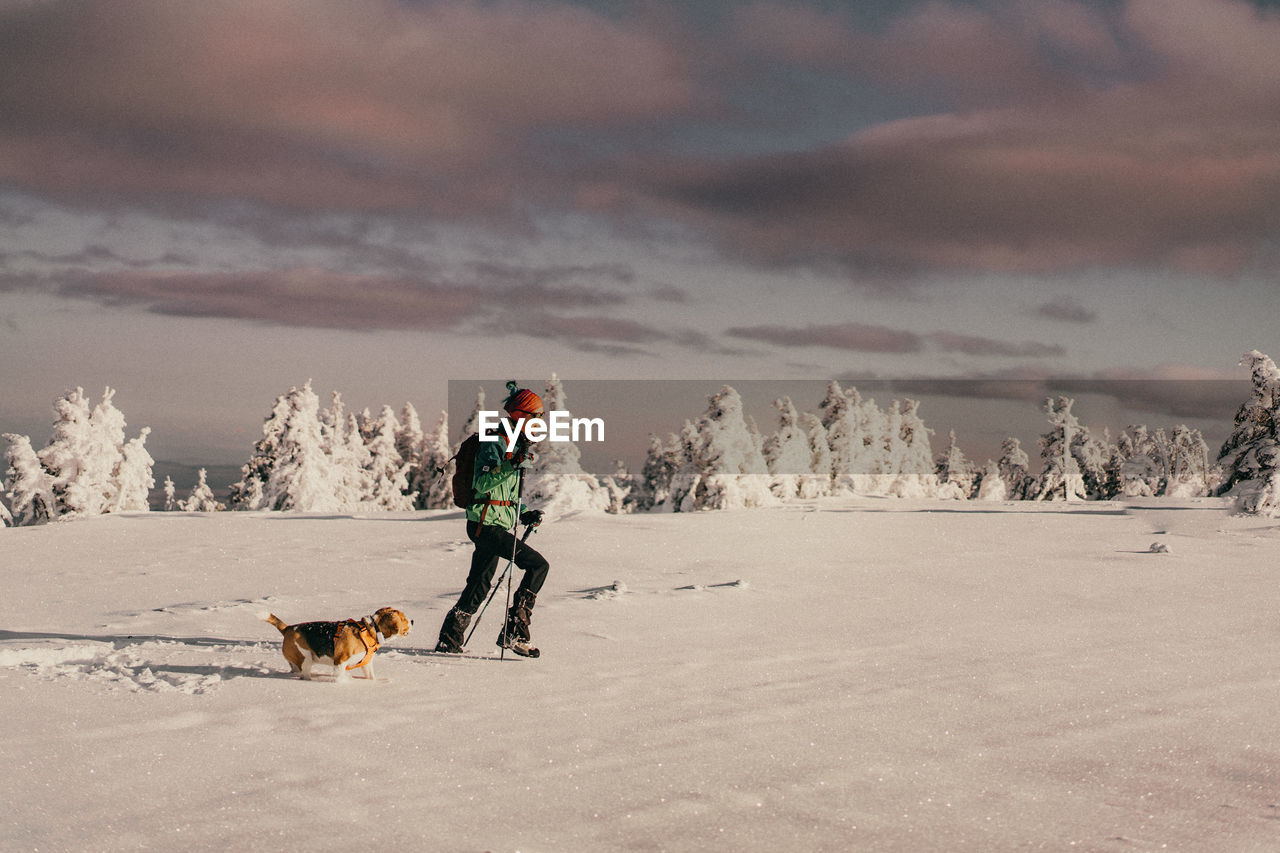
point(524, 458)
point(531, 518)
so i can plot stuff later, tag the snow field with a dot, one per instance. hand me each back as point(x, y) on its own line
point(847, 674)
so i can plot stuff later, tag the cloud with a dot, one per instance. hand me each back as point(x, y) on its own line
point(1067, 138)
point(317, 298)
point(861, 337)
point(1174, 391)
point(317, 104)
point(1066, 309)
point(972, 345)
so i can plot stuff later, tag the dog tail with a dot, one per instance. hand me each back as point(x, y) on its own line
point(275, 620)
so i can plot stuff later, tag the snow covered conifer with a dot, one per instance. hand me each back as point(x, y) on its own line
point(132, 481)
point(786, 453)
point(472, 424)
point(430, 477)
point(910, 457)
point(348, 454)
point(1091, 455)
point(619, 485)
point(725, 469)
point(1250, 457)
point(290, 469)
point(79, 478)
point(1061, 479)
point(991, 486)
point(6, 519)
point(82, 470)
point(954, 471)
point(817, 483)
point(29, 488)
point(1014, 465)
point(201, 498)
point(653, 487)
point(556, 483)
point(388, 483)
point(249, 493)
point(1190, 474)
point(170, 495)
point(409, 435)
point(835, 407)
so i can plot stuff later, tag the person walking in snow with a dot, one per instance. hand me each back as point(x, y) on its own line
point(491, 522)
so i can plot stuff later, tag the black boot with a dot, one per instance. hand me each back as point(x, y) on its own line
point(515, 633)
point(453, 631)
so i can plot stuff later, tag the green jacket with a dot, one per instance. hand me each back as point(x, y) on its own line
point(497, 479)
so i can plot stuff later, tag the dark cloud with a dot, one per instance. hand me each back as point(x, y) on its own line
point(861, 337)
point(1066, 309)
point(314, 297)
point(1170, 391)
point(850, 336)
point(971, 345)
point(1068, 137)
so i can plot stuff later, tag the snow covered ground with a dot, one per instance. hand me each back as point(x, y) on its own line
point(858, 674)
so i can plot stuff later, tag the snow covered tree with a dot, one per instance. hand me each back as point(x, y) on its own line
point(388, 483)
point(132, 476)
point(724, 468)
point(909, 461)
point(619, 485)
point(836, 420)
point(955, 472)
point(1142, 471)
point(6, 518)
point(290, 469)
point(1091, 455)
point(472, 424)
point(348, 454)
point(409, 435)
point(1190, 472)
point(29, 488)
point(201, 498)
point(991, 486)
point(652, 488)
point(787, 453)
point(86, 468)
point(430, 479)
point(1014, 465)
point(1061, 479)
point(817, 483)
point(170, 495)
point(556, 483)
point(1250, 457)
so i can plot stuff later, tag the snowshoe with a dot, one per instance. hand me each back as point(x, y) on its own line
point(515, 633)
point(453, 632)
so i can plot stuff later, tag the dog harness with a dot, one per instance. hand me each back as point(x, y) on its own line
point(320, 637)
point(368, 635)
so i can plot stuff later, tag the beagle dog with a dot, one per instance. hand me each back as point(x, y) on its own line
point(336, 643)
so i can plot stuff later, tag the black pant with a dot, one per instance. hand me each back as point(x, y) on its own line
point(494, 544)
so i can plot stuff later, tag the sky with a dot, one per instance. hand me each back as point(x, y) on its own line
point(204, 204)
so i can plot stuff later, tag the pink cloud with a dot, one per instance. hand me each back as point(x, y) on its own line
point(315, 103)
point(1083, 159)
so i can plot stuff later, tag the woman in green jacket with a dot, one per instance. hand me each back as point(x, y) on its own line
point(491, 521)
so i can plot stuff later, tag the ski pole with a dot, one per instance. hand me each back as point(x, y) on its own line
point(515, 546)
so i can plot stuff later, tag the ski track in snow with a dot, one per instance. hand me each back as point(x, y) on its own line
point(914, 676)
